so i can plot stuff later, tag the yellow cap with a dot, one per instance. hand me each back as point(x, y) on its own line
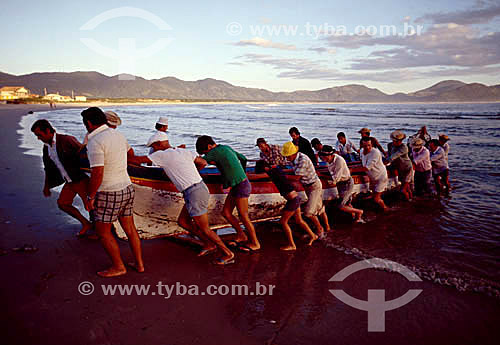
point(289, 149)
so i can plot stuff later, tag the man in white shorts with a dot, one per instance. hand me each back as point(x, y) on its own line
point(181, 167)
point(371, 158)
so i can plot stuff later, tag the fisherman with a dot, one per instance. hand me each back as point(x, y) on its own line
point(399, 159)
point(346, 148)
point(342, 179)
point(271, 154)
point(371, 158)
point(181, 166)
point(317, 146)
point(365, 133)
point(306, 173)
point(110, 194)
point(422, 134)
point(440, 169)
point(443, 141)
point(231, 165)
point(303, 144)
point(160, 126)
point(61, 160)
point(292, 207)
point(423, 167)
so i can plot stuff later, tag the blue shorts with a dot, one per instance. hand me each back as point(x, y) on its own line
point(241, 190)
point(196, 199)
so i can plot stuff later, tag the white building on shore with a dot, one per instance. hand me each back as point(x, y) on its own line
point(13, 92)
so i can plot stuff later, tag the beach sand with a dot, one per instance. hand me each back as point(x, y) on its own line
point(42, 305)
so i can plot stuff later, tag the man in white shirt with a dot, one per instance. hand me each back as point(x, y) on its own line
point(341, 176)
point(111, 194)
point(181, 167)
point(440, 168)
point(371, 158)
point(61, 160)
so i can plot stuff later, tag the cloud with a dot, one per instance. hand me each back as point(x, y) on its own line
point(322, 50)
point(318, 70)
point(470, 16)
point(262, 42)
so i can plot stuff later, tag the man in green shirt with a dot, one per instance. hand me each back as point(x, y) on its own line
point(231, 165)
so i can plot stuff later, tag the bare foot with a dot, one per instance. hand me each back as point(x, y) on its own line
point(241, 239)
point(312, 239)
point(136, 267)
point(86, 227)
point(112, 272)
point(358, 216)
point(207, 250)
point(288, 248)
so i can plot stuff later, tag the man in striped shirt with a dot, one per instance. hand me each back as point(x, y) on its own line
point(306, 174)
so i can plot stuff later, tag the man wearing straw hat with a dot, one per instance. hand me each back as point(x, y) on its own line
point(399, 159)
point(365, 133)
point(423, 167)
point(305, 171)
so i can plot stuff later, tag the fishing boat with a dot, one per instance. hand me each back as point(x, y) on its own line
point(158, 203)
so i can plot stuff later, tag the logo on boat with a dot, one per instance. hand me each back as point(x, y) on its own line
point(376, 305)
point(127, 53)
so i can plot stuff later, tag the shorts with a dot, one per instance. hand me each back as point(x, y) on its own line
point(378, 186)
point(241, 190)
point(196, 199)
point(345, 189)
point(292, 205)
point(405, 176)
point(109, 206)
point(314, 205)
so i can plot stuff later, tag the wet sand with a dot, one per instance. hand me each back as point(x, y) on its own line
point(42, 305)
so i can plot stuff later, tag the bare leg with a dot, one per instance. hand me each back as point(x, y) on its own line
point(202, 224)
point(227, 212)
point(354, 211)
point(187, 223)
point(128, 226)
point(324, 218)
point(300, 222)
point(288, 232)
point(242, 206)
point(317, 225)
point(111, 247)
point(65, 203)
point(377, 197)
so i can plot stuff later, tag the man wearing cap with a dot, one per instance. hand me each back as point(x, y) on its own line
point(341, 177)
point(61, 160)
point(439, 167)
point(181, 167)
point(423, 168)
point(306, 173)
point(110, 194)
point(271, 154)
point(371, 158)
point(365, 133)
point(399, 159)
point(303, 144)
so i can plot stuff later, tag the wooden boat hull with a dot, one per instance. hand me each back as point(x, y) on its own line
point(157, 202)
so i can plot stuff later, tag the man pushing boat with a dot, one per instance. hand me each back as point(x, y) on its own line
point(181, 166)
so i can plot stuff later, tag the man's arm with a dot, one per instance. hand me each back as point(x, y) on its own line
point(137, 160)
point(96, 175)
point(200, 163)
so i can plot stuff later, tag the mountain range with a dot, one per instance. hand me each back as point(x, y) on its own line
point(97, 85)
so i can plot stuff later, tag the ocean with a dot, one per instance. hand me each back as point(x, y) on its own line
point(452, 241)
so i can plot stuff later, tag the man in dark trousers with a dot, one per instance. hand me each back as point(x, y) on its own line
point(303, 144)
point(61, 160)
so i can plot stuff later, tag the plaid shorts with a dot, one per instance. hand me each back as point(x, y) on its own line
point(109, 206)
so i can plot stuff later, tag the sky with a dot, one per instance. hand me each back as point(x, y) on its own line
point(395, 46)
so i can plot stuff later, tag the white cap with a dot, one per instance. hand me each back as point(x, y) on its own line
point(158, 136)
point(163, 121)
